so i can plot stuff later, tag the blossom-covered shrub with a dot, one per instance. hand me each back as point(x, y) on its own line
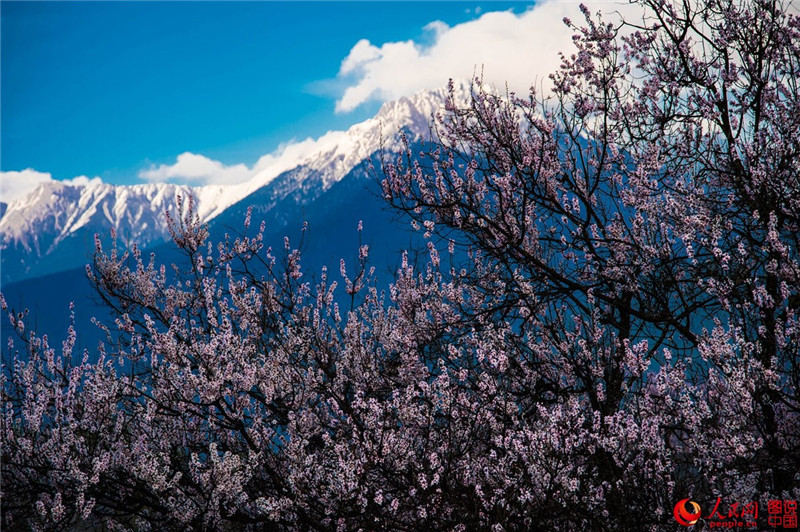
point(606, 322)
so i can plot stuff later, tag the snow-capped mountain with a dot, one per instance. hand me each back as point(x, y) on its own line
point(52, 229)
point(55, 210)
point(332, 156)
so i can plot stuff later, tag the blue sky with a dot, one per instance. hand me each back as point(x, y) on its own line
point(104, 88)
point(114, 89)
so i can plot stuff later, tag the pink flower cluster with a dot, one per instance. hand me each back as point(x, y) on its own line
point(613, 326)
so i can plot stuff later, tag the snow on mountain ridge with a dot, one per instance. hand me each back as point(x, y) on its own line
point(55, 210)
point(336, 153)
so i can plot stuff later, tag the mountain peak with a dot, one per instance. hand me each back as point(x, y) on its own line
point(417, 111)
point(56, 213)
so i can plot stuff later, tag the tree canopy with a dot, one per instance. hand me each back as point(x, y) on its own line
point(607, 321)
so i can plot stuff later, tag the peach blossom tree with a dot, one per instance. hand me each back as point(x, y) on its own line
point(605, 322)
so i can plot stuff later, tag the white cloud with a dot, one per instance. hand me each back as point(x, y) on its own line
point(197, 169)
point(363, 52)
point(437, 27)
point(518, 50)
point(16, 184)
point(288, 155)
point(82, 180)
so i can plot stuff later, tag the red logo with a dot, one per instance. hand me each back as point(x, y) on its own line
point(684, 515)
